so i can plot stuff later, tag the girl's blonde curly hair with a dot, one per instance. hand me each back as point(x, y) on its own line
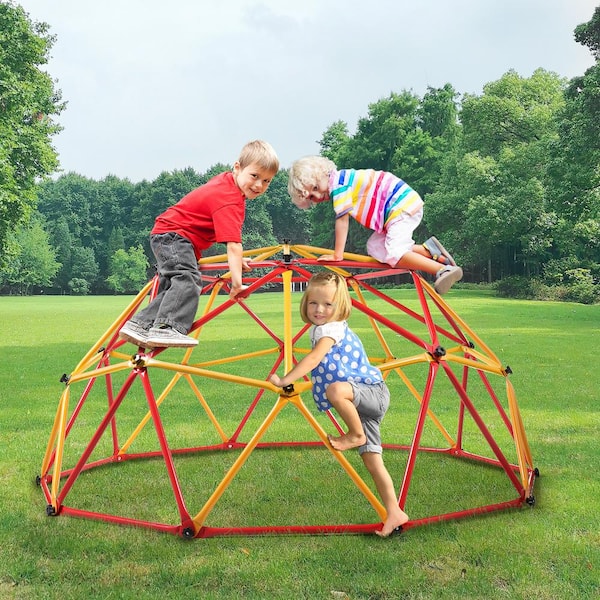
point(304, 174)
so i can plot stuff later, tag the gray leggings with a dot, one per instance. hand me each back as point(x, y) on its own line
point(372, 402)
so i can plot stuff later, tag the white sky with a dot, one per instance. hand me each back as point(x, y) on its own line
point(156, 86)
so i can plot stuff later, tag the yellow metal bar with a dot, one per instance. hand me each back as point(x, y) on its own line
point(479, 356)
point(339, 456)
point(288, 362)
point(404, 362)
point(478, 341)
point(60, 445)
point(199, 519)
point(475, 364)
point(372, 321)
point(53, 434)
point(100, 372)
point(313, 252)
point(261, 253)
point(265, 253)
point(148, 415)
point(430, 413)
point(113, 328)
point(230, 359)
point(207, 408)
point(521, 444)
point(259, 383)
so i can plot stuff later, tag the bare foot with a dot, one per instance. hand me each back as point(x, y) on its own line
point(393, 520)
point(347, 441)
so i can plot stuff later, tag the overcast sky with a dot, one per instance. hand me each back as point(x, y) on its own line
point(156, 86)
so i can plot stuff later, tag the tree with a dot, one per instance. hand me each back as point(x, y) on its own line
point(288, 221)
point(334, 139)
point(491, 204)
point(115, 203)
point(258, 226)
point(438, 112)
point(84, 270)
point(381, 133)
point(420, 160)
point(588, 34)
point(28, 101)
point(62, 240)
point(116, 240)
point(128, 270)
point(68, 205)
point(34, 263)
point(574, 158)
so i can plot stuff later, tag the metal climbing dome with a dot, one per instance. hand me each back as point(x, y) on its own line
point(142, 436)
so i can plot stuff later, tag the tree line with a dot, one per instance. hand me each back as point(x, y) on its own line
point(510, 179)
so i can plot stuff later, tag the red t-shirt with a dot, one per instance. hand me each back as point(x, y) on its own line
point(214, 212)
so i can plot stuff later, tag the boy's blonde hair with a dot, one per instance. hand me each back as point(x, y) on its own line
point(342, 300)
point(304, 174)
point(261, 153)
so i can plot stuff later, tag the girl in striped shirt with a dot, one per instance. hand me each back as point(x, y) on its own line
point(379, 201)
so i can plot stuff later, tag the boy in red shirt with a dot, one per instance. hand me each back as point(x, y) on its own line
point(212, 213)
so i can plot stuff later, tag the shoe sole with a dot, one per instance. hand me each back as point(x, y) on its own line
point(444, 251)
point(154, 343)
point(444, 283)
point(133, 339)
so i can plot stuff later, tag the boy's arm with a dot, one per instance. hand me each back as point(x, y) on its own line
point(236, 263)
point(306, 365)
point(341, 235)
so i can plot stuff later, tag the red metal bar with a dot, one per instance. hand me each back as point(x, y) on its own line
point(96, 438)
point(186, 520)
point(412, 454)
point(484, 430)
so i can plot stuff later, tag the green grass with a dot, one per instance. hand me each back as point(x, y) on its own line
point(548, 552)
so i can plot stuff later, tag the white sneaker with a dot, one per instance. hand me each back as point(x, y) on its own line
point(134, 333)
point(167, 337)
point(446, 278)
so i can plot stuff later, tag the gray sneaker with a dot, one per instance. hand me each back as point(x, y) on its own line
point(167, 337)
point(134, 333)
point(446, 278)
point(438, 252)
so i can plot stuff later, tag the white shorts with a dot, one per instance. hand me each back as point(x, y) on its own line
point(394, 242)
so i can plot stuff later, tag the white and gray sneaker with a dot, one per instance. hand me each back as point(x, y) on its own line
point(134, 333)
point(164, 336)
point(446, 278)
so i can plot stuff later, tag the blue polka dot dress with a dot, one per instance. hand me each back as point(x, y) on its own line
point(346, 361)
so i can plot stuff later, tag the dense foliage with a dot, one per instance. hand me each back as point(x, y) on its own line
point(510, 180)
point(28, 101)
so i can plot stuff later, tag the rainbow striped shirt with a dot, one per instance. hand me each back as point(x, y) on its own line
point(373, 198)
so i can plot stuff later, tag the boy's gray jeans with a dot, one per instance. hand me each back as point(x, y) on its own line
point(179, 284)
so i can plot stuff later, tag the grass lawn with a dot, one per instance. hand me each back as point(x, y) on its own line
point(548, 552)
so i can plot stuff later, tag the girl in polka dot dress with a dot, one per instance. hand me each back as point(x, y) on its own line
point(343, 379)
